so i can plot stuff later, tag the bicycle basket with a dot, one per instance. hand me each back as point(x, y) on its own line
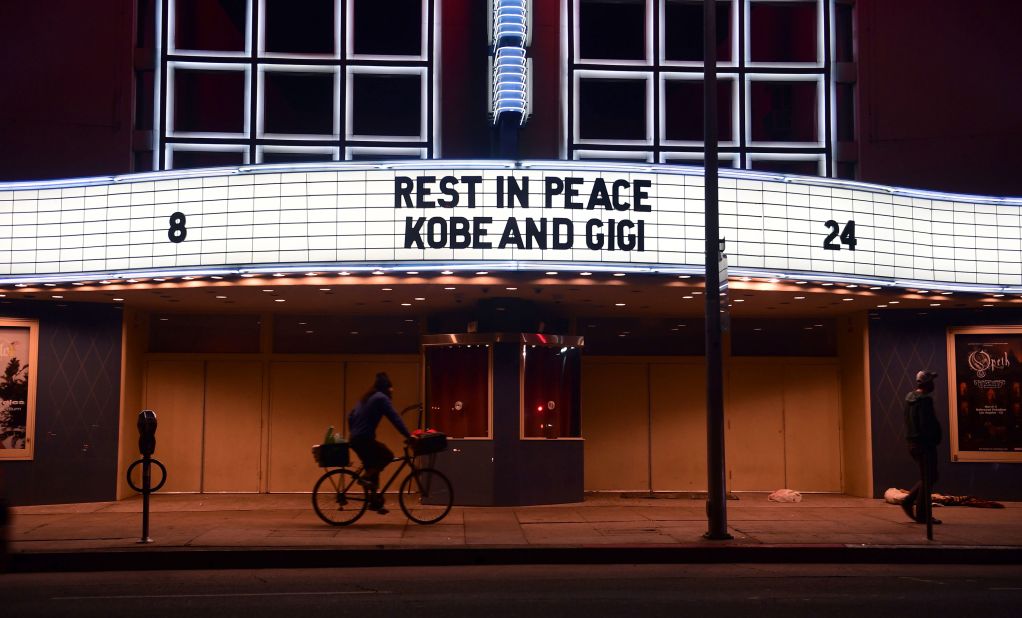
point(331, 455)
point(429, 443)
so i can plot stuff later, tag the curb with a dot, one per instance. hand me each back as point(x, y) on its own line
point(291, 558)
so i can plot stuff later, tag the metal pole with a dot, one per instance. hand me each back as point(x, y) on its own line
point(716, 499)
point(926, 504)
point(147, 483)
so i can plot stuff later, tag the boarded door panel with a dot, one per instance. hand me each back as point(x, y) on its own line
point(679, 427)
point(234, 396)
point(812, 420)
point(615, 425)
point(406, 377)
point(174, 390)
point(755, 426)
point(305, 398)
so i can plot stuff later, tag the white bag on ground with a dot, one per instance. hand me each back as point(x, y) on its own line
point(785, 495)
point(894, 495)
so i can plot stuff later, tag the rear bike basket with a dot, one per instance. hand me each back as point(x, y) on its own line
point(331, 455)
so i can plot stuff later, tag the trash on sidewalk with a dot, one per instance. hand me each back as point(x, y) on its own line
point(785, 495)
point(895, 496)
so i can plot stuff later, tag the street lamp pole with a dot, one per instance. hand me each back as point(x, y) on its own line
point(716, 499)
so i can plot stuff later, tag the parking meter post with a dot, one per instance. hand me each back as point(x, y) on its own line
point(146, 490)
point(147, 446)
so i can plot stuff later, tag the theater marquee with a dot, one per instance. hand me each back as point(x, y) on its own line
point(512, 216)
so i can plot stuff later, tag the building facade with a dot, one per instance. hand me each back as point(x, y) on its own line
point(268, 204)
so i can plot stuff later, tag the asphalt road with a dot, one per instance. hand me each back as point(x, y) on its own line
point(537, 591)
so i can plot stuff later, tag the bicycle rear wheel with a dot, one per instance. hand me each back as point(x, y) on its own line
point(338, 499)
point(426, 496)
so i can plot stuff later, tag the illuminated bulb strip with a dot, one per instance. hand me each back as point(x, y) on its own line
point(509, 79)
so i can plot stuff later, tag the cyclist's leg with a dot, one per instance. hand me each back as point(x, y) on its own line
point(379, 456)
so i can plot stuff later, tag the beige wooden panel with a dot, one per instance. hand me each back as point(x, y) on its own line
point(754, 416)
point(174, 390)
point(305, 398)
point(406, 376)
point(234, 397)
point(679, 426)
point(812, 421)
point(615, 425)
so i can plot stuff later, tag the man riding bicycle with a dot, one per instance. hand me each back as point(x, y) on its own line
point(362, 423)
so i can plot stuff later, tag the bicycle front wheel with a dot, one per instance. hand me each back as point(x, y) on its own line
point(338, 499)
point(426, 496)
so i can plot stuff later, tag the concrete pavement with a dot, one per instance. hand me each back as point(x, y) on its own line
point(281, 529)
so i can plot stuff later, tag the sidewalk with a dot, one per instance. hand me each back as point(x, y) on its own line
point(212, 530)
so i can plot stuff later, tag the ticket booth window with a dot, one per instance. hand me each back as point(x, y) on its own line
point(458, 390)
point(550, 392)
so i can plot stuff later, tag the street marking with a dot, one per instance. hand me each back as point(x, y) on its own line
point(224, 594)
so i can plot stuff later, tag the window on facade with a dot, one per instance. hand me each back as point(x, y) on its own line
point(551, 392)
point(209, 101)
point(192, 159)
point(284, 156)
point(800, 167)
point(205, 25)
point(683, 31)
point(321, 77)
point(386, 104)
point(189, 333)
point(391, 28)
point(783, 337)
point(612, 29)
point(683, 110)
point(784, 111)
point(333, 334)
point(305, 27)
point(776, 103)
point(783, 31)
point(298, 103)
point(612, 109)
point(458, 390)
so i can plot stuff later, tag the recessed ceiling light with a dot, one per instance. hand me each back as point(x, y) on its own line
point(118, 300)
point(221, 297)
point(446, 272)
point(58, 297)
point(758, 329)
point(325, 289)
point(419, 298)
point(482, 272)
point(164, 319)
point(773, 280)
point(998, 295)
point(25, 285)
point(688, 297)
point(826, 284)
point(279, 274)
point(406, 304)
point(684, 276)
point(800, 282)
point(216, 277)
point(875, 287)
point(450, 288)
point(412, 272)
point(818, 325)
point(309, 332)
point(387, 289)
point(510, 289)
point(745, 278)
point(278, 300)
point(988, 305)
point(50, 285)
point(619, 304)
point(893, 302)
point(847, 299)
point(934, 304)
point(344, 273)
point(947, 293)
point(739, 300)
point(851, 285)
point(267, 290)
point(354, 332)
point(881, 306)
point(585, 274)
point(551, 272)
point(80, 283)
point(311, 274)
point(697, 293)
point(619, 274)
point(800, 298)
point(247, 276)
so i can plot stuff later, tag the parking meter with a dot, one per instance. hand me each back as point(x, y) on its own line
point(146, 446)
point(146, 432)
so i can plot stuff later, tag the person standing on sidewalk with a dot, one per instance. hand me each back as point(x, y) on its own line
point(922, 432)
point(362, 423)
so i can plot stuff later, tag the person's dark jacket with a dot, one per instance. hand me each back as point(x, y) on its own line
point(362, 421)
point(921, 426)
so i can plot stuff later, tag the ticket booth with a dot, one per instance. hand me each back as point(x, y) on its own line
point(509, 403)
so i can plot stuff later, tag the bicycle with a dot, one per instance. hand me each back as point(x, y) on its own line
point(425, 495)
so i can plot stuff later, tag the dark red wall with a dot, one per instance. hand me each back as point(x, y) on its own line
point(941, 94)
point(65, 88)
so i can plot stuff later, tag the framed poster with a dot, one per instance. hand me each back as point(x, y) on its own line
point(985, 393)
point(19, 345)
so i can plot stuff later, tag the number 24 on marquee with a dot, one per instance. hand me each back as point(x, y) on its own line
point(846, 236)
